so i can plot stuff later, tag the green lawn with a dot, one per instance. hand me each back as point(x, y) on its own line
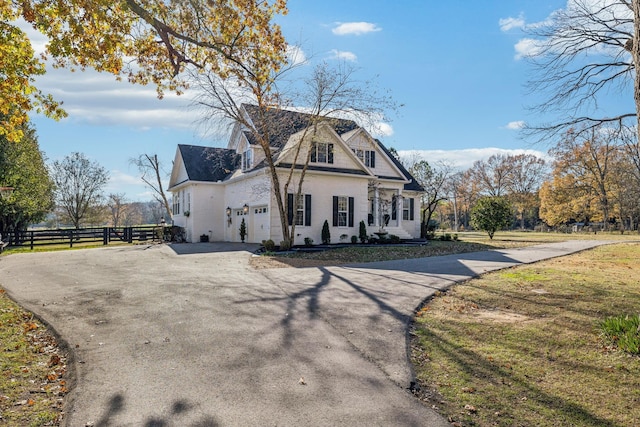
point(523, 347)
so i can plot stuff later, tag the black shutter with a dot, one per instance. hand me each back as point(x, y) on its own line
point(411, 208)
point(335, 211)
point(307, 209)
point(394, 209)
point(330, 154)
point(351, 209)
point(314, 158)
point(372, 160)
point(290, 208)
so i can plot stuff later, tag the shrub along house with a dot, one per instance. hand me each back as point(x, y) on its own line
point(351, 177)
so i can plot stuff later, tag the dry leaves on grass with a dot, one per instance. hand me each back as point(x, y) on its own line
point(33, 384)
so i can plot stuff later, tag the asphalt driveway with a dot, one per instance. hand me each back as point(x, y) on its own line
point(189, 335)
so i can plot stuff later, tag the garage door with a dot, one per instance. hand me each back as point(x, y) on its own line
point(259, 224)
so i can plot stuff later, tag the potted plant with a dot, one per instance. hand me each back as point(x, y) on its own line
point(326, 234)
point(243, 230)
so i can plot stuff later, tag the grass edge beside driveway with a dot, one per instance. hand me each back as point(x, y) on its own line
point(34, 371)
point(521, 346)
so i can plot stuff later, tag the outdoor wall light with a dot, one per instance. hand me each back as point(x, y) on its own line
point(228, 212)
point(245, 209)
point(5, 191)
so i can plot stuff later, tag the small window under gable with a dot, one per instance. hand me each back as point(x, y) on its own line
point(322, 152)
point(247, 159)
point(368, 157)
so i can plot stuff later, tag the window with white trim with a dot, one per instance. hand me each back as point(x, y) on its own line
point(247, 159)
point(368, 157)
point(405, 210)
point(343, 211)
point(299, 209)
point(176, 203)
point(321, 152)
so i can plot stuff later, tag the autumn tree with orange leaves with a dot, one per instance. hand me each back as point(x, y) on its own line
point(143, 41)
point(582, 185)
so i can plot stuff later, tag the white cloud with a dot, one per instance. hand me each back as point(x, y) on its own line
point(343, 55)
point(381, 130)
point(372, 122)
point(97, 98)
point(295, 55)
point(519, 124)
point(463, 159)
point(604, 10)
point(510, 23)
point(527, 47)
point(355, 28)
point(117, 178)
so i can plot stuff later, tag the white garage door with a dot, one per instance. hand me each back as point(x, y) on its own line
point(259, 224)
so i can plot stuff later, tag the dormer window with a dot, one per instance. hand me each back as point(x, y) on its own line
point(368, 157)
point(247, 159)
point(322, 152)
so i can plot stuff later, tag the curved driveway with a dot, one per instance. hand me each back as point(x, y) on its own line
point(189, 335)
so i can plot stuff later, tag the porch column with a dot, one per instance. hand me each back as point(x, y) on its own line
point(376, 207)
point(399, 208)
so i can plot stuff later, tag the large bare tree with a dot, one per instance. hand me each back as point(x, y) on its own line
point(327, 95)
point(152, 173)
point(526, 174)
point(79, 183)
point(582, 53)
point(433, 180)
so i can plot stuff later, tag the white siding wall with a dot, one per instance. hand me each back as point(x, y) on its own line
point(207, 211)
point(383, 166)
point(322, 189)
point(181, 175)
point(206, 216)
point(413, 227)
point(253, 192)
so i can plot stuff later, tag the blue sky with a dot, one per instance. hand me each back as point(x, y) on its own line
point(454, 65)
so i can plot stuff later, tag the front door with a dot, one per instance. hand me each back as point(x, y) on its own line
point(259, 229)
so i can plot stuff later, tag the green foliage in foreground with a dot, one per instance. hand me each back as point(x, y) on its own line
point(623, 331)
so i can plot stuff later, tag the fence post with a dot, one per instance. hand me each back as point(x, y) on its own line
point(31, 240)
point(70, 238)
point(130, 239)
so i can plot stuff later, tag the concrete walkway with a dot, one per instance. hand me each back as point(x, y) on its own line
point(189, 335)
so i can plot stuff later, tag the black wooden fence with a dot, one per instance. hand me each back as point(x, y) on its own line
point(96, 235)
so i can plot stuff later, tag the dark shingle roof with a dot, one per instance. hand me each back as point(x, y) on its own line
point(281, 124)
point(208, 163)
point(411, 186)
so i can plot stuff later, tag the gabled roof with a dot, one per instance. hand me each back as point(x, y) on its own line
point(412, 185)
point(208, 163)
point(281, 124)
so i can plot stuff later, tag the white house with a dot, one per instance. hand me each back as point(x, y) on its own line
point(351, 177)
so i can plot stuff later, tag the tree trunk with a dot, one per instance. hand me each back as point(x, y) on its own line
point(635, 52)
